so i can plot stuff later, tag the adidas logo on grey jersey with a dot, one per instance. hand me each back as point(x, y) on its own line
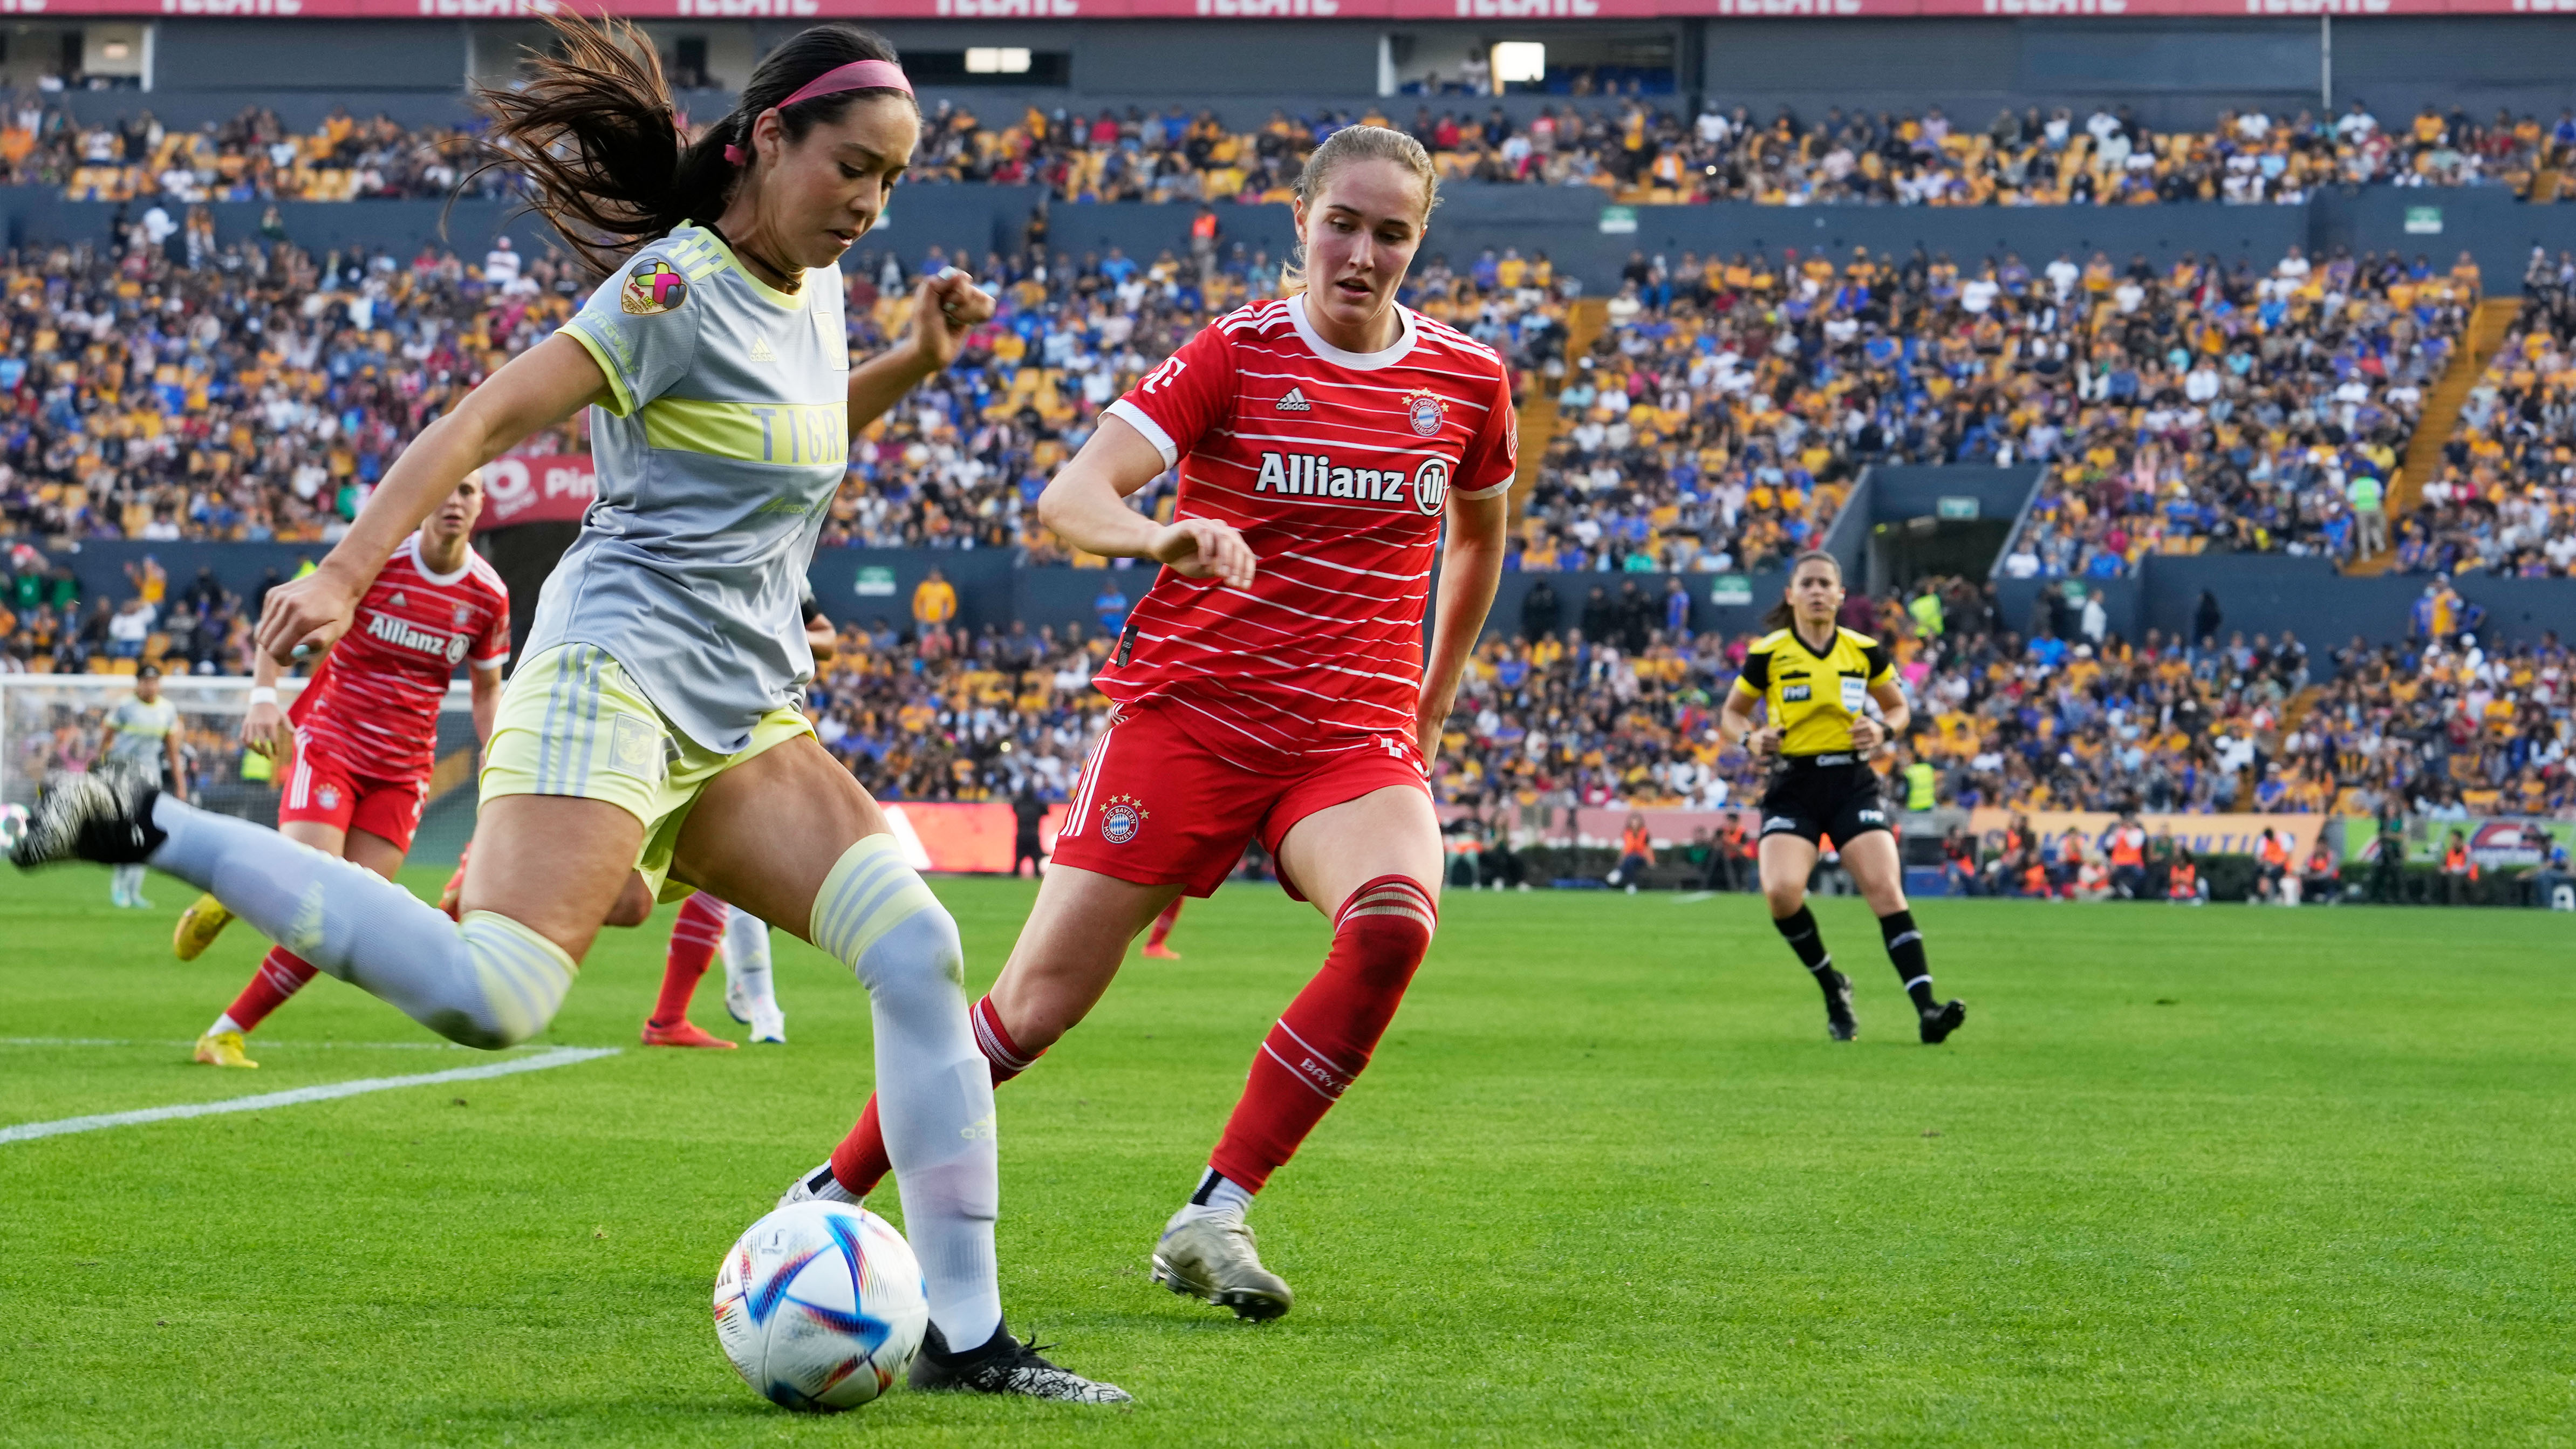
point(1294, 402)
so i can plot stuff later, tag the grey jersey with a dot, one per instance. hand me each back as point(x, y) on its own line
point(142, 732)
point(725, 437)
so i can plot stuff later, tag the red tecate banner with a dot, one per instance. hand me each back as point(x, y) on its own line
point(963, 837)
point(1490, 10)
point(536, 490)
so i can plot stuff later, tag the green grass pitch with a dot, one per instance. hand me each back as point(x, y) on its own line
point(2221, 1176)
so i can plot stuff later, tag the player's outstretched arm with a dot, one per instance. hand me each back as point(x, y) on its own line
point(1086, 506)
point(1470, 569)
point(538, 388)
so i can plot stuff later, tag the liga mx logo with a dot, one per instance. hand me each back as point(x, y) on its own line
point(1120, 819)
point(1431, 485)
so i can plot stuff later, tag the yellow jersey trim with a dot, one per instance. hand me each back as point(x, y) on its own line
point(620, 401)
point(800, 435)
point(705, 254)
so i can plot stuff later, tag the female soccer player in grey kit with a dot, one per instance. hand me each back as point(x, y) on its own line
point(653, 727)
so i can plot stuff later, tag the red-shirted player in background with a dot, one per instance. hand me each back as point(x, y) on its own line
point(1272, 683)
point(365, 731)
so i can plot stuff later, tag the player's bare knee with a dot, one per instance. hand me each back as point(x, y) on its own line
point(1784, 897)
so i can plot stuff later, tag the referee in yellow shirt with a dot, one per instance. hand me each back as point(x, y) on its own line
point(1815, 680)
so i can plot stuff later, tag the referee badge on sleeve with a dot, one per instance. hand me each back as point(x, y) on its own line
point(1855, 693)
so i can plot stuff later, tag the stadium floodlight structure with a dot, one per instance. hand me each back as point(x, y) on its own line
point(53, 721)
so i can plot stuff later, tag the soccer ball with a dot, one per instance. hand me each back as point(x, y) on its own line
point(820, 1306)
point(13, 826)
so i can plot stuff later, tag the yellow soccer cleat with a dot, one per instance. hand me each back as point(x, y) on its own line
point(199, 925)
point(222, 1049)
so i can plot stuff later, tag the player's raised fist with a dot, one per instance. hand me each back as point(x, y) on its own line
point(944, 309)
point(1201, 548)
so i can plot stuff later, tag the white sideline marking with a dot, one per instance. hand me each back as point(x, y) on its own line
point(267, 1045)
point(560, 1057)
point(1694, 898)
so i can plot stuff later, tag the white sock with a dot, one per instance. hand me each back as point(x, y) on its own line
point(746, 958)
point(128, 884)
point(489, 983)
point(1217, 1196)
point(934, 1089)
point(223, 1023)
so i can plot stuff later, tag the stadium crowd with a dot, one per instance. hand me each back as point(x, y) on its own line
point(1639, 147)
point(1718, 420)
point(1620, 709)
point(2505, 501)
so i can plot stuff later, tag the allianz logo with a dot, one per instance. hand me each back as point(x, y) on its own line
point(1316, 475)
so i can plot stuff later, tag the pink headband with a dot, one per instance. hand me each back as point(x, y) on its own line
point(858, 75)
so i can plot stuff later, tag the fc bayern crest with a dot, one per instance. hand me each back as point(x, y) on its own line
point(327, 796)
point(1427, 410)
point(1120, 819)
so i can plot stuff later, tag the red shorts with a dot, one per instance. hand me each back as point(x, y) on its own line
point(323, 789)
point(1157, 806)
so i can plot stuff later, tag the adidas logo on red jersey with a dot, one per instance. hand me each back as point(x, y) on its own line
point(1294, 402)
point(1314, 475)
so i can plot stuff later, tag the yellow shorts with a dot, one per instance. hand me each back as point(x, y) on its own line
point(572, 723)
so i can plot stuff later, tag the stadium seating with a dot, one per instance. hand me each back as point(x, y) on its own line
point(1636, 147)
point(2505, 501)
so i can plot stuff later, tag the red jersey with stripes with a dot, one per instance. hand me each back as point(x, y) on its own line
point(373, 705)
point(1335, 466)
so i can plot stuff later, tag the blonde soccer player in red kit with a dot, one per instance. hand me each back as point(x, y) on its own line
point(1273, 684)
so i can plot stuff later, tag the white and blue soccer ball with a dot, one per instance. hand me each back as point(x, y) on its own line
point(13, 826)
point(821, 1306)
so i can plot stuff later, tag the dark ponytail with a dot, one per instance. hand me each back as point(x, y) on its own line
point(594, 131)
point(1780, 615)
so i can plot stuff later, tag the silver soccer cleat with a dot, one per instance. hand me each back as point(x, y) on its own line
point(96, 815)
point(1212, 1258)
point(818, 1185)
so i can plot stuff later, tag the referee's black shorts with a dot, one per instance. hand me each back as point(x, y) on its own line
point(1811, 796)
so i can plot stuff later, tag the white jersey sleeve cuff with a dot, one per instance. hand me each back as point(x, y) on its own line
point(1504, 486)
point(1134, 417)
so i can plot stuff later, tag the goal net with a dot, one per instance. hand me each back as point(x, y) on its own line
point(53, 722)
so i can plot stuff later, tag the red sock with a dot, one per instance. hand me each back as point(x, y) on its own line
point(860, 1162)
point(1323, 1041)
point(693, 945)
point(1163, 923)
point(280, 976)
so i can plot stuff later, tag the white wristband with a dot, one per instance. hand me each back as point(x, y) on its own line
point(263, 694)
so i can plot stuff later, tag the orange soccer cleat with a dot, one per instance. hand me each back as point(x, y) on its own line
point(683, 1033)
point(1156, 951)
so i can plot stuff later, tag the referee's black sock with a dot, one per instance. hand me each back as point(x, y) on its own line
point(1803, 937)
point(1905, 950)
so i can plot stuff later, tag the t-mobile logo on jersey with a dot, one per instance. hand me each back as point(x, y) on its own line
point(1314, 475)
point(402, 635)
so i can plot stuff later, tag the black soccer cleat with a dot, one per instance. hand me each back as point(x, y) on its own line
point(1004, 1365)
point(100, 815)
point(1840, 1024)
point(1939, 1023)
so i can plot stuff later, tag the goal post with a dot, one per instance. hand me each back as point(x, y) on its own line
point(52, 722)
